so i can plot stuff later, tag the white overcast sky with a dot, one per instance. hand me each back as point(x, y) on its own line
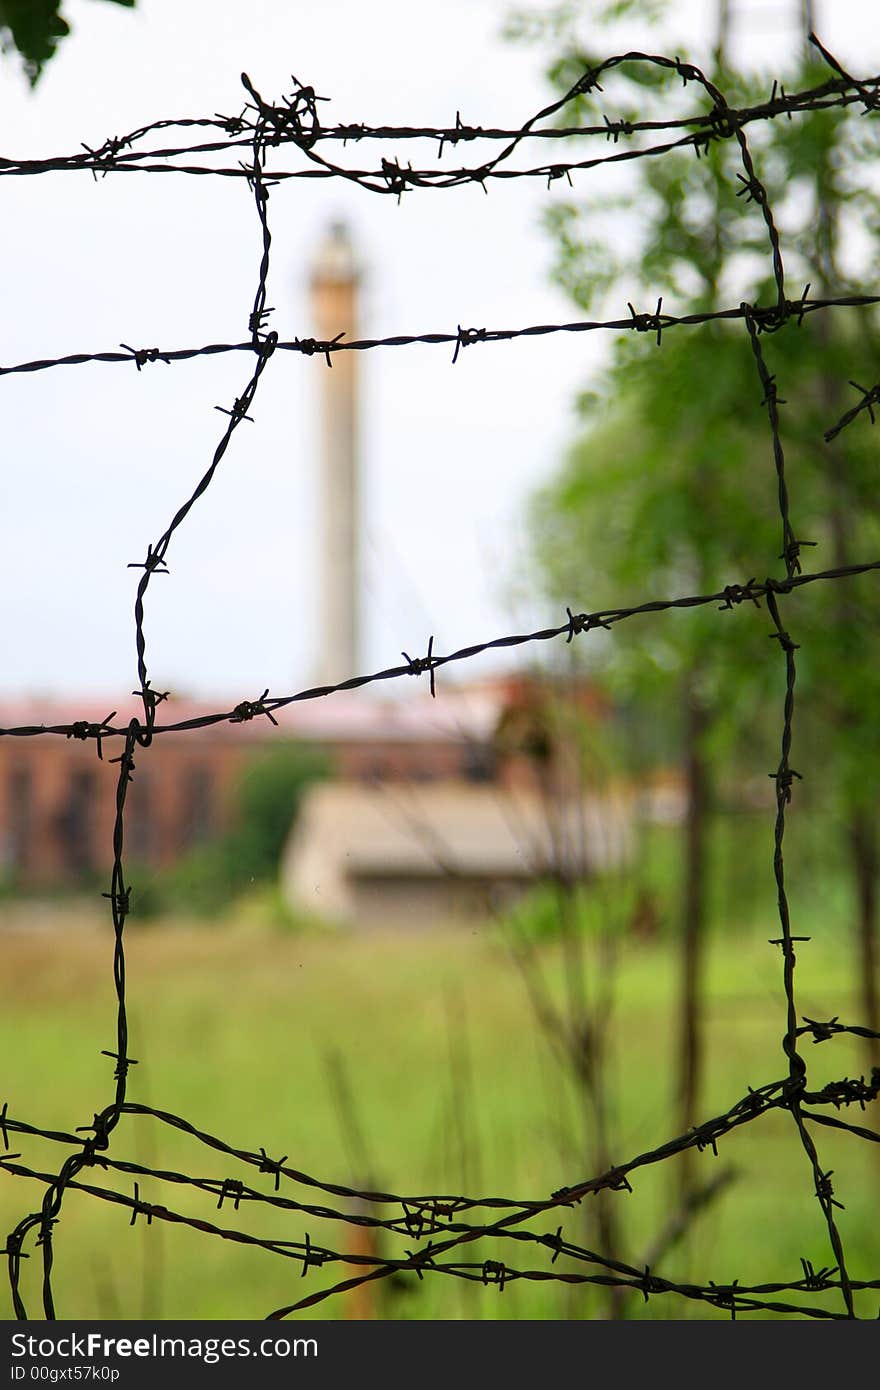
point(96, 459)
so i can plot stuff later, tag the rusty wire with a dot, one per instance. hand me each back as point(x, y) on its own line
point(441, 1227)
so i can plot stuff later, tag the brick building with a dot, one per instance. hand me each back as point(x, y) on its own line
point(58, 799)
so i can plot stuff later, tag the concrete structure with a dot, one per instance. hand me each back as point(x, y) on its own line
point(334, 287)
point(438, 853)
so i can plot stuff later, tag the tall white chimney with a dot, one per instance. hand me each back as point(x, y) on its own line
point(334, 286)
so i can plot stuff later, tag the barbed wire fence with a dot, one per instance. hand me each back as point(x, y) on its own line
point(434, 1234)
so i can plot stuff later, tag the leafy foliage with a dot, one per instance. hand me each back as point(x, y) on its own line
point(35, 28)
point(209, 879)
point(671, 487)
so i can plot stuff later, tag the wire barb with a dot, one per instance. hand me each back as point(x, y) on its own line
point(417, 665)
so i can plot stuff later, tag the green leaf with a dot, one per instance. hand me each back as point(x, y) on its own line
point(35, 28)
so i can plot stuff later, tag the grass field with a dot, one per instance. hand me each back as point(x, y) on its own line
point(235, 1028)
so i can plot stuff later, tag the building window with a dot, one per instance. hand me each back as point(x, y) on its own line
point(74, 824)
point(139, 808)
point(198, 820)
point(20, 818)
point(478, 764)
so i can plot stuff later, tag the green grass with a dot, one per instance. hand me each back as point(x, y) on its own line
point(234, 1028)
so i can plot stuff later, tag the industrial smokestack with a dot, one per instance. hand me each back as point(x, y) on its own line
point(334, 287)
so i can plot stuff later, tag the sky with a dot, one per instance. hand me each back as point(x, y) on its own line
point(96, 459)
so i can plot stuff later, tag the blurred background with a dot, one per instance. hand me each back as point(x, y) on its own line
point(495, 940)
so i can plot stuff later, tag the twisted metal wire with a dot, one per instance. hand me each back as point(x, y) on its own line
point(440, 1227)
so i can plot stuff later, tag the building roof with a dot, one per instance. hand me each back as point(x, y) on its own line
point(347, 831)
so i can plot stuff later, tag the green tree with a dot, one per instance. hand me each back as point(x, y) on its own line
point(209, 879)
point(671, 489)
point(34, 28)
